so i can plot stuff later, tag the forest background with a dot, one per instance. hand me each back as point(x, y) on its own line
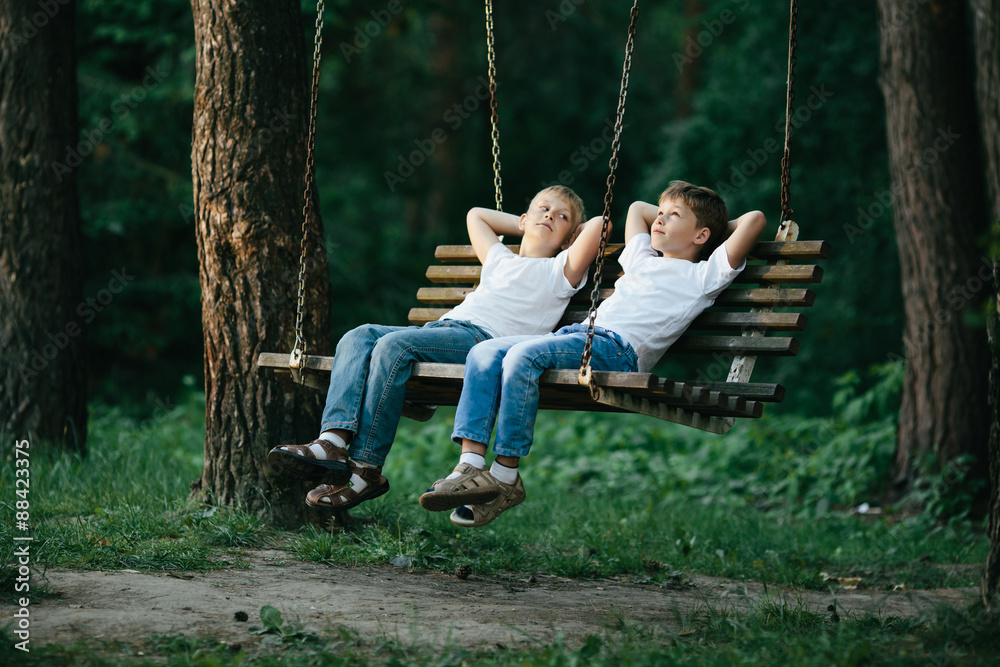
point(403, 150)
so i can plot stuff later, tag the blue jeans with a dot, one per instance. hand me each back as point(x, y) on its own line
point(501, 381)
point(370, 370)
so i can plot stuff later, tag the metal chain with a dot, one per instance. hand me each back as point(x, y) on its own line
point(494, 118)
point(299, 351)
point(786, 160)
point(585, 376)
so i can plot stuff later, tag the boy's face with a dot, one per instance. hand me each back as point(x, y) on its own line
point(676, 229)
point(548, 221)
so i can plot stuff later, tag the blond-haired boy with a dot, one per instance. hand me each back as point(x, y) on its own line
point(524, 293)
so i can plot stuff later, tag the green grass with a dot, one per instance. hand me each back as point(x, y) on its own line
point(623, 494)
point(776, 630)
point(608, 495)
point(125, 505)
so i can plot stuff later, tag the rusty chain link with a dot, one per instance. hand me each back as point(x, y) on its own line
point(585, 376)
point(298, 357)
point(494, 117)
point(786, 159)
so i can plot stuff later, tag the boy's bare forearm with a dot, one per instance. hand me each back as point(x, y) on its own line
point(743, 234)
point(584, 249)
point(486, 226)
point(500, 223)
point(750, 217)
point(641, 216)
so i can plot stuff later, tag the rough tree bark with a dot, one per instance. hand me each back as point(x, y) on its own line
point(43, 392)
point(926, 79)
point(248, 156)
point(986, 33)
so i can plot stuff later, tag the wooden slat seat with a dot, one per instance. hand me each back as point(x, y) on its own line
point(715, 320)
point(742, 324)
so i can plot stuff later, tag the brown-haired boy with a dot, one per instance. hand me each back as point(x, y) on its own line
point(663, 288)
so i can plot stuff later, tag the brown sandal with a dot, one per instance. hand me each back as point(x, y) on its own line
point(472, 487)
point(300, 462)
point(344, 497)
point(511, 495)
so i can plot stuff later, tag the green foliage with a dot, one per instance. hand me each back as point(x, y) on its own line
point(136, 86)
point(284, 631)
point(732, 140)
point(697, 113)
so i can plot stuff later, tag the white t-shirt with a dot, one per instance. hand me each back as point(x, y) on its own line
point(658, 297)
point(517, 296)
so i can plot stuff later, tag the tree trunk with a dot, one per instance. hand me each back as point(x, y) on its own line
point(939, 214)
point(248, 156)
point(689, 79)
point(986, 32)
point(43, 391)
point(445, 68)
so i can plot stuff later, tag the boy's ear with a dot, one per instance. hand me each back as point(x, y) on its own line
point(521, 220)
point(702, 235)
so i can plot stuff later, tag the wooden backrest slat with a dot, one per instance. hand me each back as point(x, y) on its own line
point(456, 274)
point(734, 345)
point(791, 250)
point(732, 297)
point(457, 254)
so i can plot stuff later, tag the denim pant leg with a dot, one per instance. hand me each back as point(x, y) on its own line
point(349, 375)
point(444, 341)
point(523, 366)
point(477, 408)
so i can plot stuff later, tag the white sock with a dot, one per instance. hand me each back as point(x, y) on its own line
point(330, 437)
point(356, 482)
point(502, 473)
point(333, 439)
point(473, 459)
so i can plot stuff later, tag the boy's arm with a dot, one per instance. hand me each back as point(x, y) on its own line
point(584, 249)
point(743, 234)
point(641, 217)
point(486, 226)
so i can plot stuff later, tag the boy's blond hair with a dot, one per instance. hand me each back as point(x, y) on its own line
point(708, 208)
point(568, 196)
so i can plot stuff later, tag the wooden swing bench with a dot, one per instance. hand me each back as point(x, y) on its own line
point(741, 325)
point(737, 326)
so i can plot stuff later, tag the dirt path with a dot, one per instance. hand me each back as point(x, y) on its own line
point(429, 608)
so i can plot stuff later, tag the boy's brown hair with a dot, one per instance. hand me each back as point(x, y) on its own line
point(708, 208)
point(568, 196)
